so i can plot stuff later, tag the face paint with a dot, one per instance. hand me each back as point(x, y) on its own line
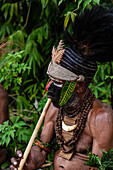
point(67, 92)
point(60, 93)
point(54, 91)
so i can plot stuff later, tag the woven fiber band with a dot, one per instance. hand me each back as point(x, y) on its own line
point(72, 67)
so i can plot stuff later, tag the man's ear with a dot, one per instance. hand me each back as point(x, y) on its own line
point(80, 87)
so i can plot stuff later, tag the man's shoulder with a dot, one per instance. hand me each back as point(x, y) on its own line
point(101, 113)
point(100, 108)
point(101, 119)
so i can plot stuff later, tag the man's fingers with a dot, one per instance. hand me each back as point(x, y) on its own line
point(14, 161)
point(19, 154)
point(12, 167)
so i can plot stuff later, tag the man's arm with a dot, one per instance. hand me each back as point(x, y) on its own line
point(49, 124)
point(102, 131)
point(38, 155)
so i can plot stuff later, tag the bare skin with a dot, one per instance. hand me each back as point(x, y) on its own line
point(97, 135)
point(4, 115)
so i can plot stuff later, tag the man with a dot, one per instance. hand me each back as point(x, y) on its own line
point(4, 116)
point(75, 116)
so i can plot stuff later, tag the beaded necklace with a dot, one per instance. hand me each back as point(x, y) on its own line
point(81, 111)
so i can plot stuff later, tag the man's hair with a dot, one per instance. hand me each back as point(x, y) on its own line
point(92, 36)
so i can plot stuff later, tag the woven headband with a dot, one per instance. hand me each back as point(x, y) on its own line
point(67, 65)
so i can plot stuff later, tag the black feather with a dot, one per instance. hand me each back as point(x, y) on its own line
point(92, 36)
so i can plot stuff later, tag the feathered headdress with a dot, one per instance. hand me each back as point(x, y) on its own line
point(91, 41)
point(92, 36)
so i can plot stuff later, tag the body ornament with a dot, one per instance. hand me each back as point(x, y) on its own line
point(68, 128)
point(81, 111)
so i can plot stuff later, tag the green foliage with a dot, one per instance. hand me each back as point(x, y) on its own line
point(14, 135)
point(10, 132)
point(41, 104)
point(14, 131)
point(11, 68)
point(5, 165)
point(101, 85)
point(36, 31)
point(102, 163)
point(34, 28)
point(60, 2)
point(80, 4)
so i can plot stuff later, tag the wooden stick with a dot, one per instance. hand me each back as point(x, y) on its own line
point(23, 160)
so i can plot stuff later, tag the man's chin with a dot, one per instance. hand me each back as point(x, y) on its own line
point(54, 100)
point(56, 104)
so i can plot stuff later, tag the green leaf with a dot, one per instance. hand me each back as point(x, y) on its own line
point(11, 11)
point(46, 31)
point(96, 92)
point(100, 84)
point(6, 8)
point(44, 3)
point(5, 165)
point(23, 134)
point(97, 1)
point(20, 36)
point(73, 15)
point(66, 20)
point(42, 103)
point(16, 9)
point(6, 123)
point(107, 76)
point(19, 124)
point(79, 2)
point(86, 2)
point(60, 2)
point(55, 1)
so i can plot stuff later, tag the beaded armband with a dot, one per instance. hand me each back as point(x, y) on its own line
point(41, 145)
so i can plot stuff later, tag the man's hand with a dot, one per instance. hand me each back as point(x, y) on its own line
point(29, 165)
point(34, 161)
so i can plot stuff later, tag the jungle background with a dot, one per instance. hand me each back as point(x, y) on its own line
point(28, 31)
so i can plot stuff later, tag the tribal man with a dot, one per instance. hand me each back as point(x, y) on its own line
point(75, 116)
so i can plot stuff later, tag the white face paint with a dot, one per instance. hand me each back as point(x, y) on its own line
point(56, 80)
point(58, 85)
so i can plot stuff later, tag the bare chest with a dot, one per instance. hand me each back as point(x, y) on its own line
point(85, 141)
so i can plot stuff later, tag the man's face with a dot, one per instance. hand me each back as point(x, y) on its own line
point(54, 90)
point(62, 92)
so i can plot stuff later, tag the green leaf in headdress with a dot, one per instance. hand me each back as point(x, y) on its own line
point(66, 92)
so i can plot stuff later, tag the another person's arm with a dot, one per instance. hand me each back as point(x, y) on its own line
point(4, 116)
point(4, 112)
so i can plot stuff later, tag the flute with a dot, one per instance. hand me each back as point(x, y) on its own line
point(28, 148)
